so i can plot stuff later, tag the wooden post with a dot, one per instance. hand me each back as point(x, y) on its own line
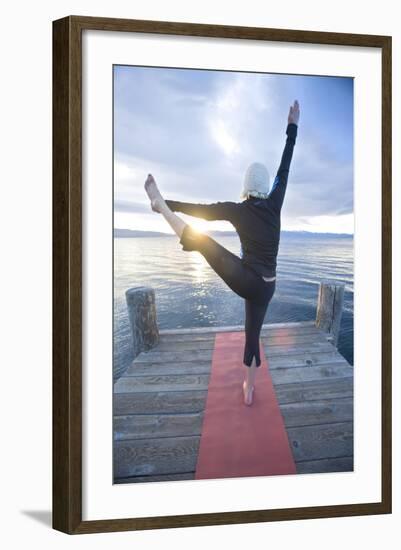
point(142, 316)
point(330, 307)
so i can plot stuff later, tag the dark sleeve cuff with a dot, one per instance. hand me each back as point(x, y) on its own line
point(292, 130)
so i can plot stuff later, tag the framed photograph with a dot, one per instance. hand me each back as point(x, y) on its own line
point(221, 274)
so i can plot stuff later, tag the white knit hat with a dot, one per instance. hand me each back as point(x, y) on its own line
point(256, 181)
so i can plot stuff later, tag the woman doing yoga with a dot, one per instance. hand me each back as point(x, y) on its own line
point(257, 222)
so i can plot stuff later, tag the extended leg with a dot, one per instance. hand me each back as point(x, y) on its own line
point(228, 266)
point(159, 205)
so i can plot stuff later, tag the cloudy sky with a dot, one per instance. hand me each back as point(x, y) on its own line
point(197, 131)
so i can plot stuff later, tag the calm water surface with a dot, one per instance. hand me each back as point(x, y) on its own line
point(190, 294)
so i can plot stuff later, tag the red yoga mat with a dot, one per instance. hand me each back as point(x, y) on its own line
point(239, 440)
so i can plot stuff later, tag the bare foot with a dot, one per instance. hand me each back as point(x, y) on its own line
point(156, 200)
point(248, 393)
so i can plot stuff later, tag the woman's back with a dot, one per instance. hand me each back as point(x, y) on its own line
point(258, 226)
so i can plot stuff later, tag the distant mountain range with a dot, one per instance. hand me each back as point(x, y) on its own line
point(132, 233)
point(129, 233)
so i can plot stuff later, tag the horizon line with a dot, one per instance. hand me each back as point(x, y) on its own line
point(235, 232)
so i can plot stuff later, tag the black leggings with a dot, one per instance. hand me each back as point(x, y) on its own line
point(242, 279)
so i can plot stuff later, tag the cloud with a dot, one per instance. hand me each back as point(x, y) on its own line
point(131, 207)
point(197, 131)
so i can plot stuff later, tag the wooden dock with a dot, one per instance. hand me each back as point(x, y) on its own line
point(159, 402)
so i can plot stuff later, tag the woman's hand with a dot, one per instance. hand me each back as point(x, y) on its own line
point(293, 116)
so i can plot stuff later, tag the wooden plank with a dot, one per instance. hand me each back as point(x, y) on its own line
point(323, 441)
point(167, 455)
point(187, 345)
point(307, 359)
point(326, 465)
point(290, 340)
point(157, 425)
point(149, 479)
point(271, 331)
point(154, 356)
point(231, 328)
point(322, 411)
point(279, 339)
point(161, 383)
point(304, 374)
point(206, 355)
point(299, 392)
point(189, 367)
point(194, 400)
point(307, 347)
point(179, 454)
point(203, 367)
point(188, 401)
point(189, 337)
point(173, 382)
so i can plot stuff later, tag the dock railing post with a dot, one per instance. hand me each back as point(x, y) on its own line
point(329, 308)
point(142, 316)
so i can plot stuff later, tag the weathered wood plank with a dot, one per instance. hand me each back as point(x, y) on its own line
point(322, 411)
point(174, 425)
point(194, 400)
point(189, 337)
point(299, 392)
point(149, 479)
point(184, 346)
point(161, 383)
point(232, 328)
point(188, 367)
point(326, 465)
point(154, 356)
point(303, 353)
point(289, 340)
point(304, 374)
point(279, 339)
point(179, 454)
point(305, 359)
point(156, 425)
point(307, 347)
point(323, 441)
point(280, 375)
point(189, 401)
point(168, 455)
point(310, 328)
point(203, 367)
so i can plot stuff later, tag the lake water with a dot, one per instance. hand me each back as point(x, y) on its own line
point(190, 294)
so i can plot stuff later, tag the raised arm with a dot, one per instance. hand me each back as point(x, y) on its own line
point(279, 187)
point(214, 211)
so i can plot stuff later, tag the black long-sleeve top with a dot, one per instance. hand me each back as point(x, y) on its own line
point(257, 221)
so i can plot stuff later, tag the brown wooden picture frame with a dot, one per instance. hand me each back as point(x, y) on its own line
point(67, 274)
